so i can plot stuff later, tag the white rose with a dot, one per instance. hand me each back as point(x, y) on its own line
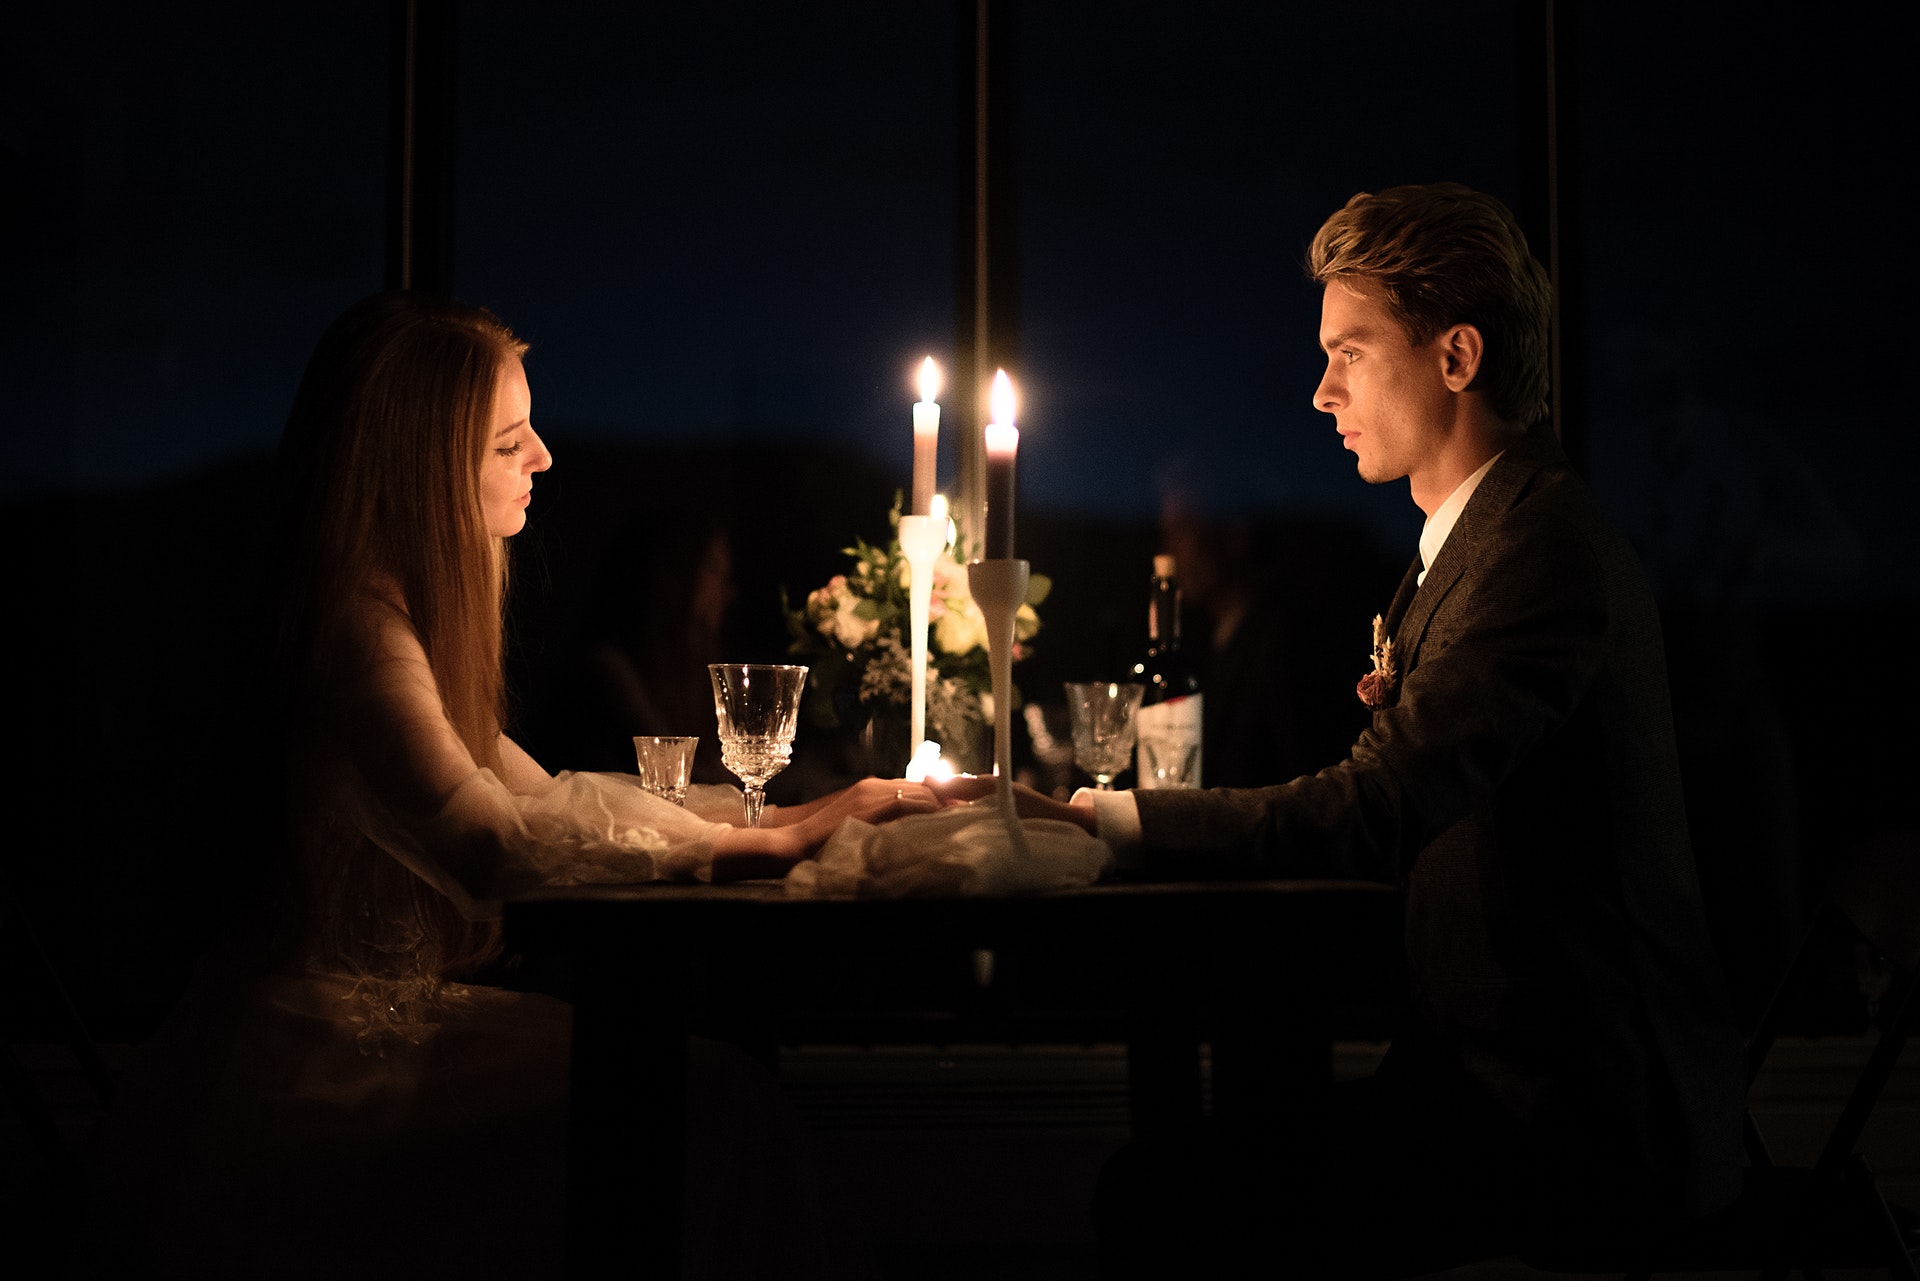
point(824, 602)
point(961, 628)
point(849, 628)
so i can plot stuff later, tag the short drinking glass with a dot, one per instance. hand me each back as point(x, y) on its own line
point(666, 763)
point(1169, 761)
point(1103, 729)
point(758, 708)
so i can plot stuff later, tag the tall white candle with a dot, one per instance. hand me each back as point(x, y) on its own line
point(926, 439)
point(1003, 441)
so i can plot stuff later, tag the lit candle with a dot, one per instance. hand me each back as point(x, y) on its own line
point(926, 439)
point(1003, 439)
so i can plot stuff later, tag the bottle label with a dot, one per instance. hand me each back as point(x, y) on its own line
point(1167, 748)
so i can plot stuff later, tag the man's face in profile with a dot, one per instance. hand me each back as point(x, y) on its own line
point(1388, 398)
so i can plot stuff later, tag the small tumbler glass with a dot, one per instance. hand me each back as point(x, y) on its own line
point(666, 762)
point(1170, 761)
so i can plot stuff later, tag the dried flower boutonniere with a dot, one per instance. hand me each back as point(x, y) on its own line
point(1376, 687)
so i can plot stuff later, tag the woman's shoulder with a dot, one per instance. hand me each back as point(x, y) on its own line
point(376, 611)
point(373, 635)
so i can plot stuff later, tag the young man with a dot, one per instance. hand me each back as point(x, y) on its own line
point(1570, 1069)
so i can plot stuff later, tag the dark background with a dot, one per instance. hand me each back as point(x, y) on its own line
point(728, 232)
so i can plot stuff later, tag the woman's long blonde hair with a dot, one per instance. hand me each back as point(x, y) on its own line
point(380, 465)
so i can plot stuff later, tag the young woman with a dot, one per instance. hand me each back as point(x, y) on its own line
point(356, 1100)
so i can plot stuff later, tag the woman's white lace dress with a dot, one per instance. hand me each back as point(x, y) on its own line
point(353, 1116)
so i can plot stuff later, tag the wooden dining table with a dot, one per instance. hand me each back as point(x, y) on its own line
point(1265, 975)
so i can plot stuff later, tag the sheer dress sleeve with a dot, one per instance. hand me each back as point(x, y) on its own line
point(479, 834)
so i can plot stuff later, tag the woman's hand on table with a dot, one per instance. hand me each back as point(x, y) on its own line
point(1029, 803)
point(795, 832)
point(871, 800)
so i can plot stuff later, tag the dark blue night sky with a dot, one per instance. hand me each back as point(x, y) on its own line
point(733, 222)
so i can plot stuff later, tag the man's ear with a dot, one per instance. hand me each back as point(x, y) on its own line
point(1461, 348)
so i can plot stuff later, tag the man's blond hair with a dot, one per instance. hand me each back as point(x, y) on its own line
point(1443, 255)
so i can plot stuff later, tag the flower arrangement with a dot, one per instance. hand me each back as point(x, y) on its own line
point(853, 633)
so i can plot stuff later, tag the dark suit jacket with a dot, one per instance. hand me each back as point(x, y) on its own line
point(1522, 783)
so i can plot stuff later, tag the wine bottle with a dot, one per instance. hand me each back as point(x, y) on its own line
point(1167, 751)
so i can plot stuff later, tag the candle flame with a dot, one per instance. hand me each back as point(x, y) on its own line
point(927, 763)
point(929, 381)
point(1001, 398)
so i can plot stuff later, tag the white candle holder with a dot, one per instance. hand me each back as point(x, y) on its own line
point(1000, 588)
point(921, 538)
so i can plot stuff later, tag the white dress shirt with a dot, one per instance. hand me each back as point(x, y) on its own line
point(1433, 534)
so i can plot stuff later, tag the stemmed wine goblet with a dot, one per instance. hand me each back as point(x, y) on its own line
point(1103, 727)
point(758, 708)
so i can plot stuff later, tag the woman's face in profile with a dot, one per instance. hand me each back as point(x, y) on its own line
point(514, 453)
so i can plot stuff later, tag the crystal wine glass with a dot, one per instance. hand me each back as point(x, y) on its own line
point(758, 707)
point(1103, 727)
